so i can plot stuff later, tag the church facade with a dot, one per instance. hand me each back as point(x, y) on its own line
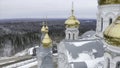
point(95, 50)
point(76, 52)
point(108, 18)
point(108, 11)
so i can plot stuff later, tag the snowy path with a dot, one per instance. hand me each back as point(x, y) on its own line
point(12, 60)
point(23, 64)
point(29, 65)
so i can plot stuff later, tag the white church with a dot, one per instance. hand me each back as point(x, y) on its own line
point(100, 49)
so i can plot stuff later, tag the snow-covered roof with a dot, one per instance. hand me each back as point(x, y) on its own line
point(85, 46)
point(88, 34)
point(80, 52)
point(79, 65)
point(87, 63)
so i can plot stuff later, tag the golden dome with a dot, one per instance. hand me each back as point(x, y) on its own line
point(106, 2)
point(72, 21)
point(46, 41)
point(112, 33)
point(44, 28)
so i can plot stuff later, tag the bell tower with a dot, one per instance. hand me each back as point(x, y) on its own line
point(72, 25)
point(44, 54)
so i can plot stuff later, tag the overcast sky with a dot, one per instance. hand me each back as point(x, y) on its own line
point(51, 8)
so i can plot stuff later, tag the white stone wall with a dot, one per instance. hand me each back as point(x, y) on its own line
point(113, 60)
point(106, 12)
point(73, 32)
point(112, 56)
point(62, 56)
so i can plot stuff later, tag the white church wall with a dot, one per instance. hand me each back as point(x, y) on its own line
point(115, 61)
point(62, 56)
point(72, 33)
point(106, 12)
point(112, 59)
point(108, 59)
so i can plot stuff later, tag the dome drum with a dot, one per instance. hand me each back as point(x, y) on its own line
point(72, 26)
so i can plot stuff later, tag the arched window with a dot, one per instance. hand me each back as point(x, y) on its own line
point(101, 24)
point(110, 21)
point(69, 36)
point(73, 36)
point(118, 65)
point(108, 65)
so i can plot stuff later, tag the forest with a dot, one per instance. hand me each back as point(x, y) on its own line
point(19, 34)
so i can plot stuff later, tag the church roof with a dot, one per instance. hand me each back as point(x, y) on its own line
point(87, 34)
point(77, 47)
point(80, 64)
point(81, 53)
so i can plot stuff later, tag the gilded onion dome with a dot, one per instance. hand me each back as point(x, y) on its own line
point(72, 21)
point(46, 41)
point(46, 29)
point(43, 27)
point(112, 33)
point(107, 2)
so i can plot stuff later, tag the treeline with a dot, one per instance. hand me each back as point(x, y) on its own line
point(16, 36)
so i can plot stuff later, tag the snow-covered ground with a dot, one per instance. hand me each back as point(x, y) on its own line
point(23, 64)
point(28, 51)
point(29, 65)
point(24, 55)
